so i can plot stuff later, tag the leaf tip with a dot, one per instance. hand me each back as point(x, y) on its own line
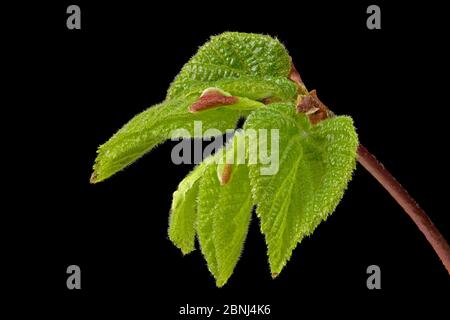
point(185, 252)
point(94, 178)
point(220, 282)
point(185, 248)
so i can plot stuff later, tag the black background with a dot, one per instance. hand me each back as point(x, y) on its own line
point(80, 86)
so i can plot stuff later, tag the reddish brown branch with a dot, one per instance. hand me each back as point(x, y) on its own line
point(313, 107)
point(395, 189)
point(295, 76)
point(310, 106)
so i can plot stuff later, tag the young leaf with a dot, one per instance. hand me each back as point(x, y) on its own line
point(183, 214)
point(256, 88)
point(182, 218)
point(247, 65)
point(316, 163)
point(223, 217)
point(154, 126)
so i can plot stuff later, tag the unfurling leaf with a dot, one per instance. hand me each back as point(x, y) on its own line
point(223, 217)
point(247, 65)
point(219, 213)
point(316, 162)
point(154, 126)
point(183, 214)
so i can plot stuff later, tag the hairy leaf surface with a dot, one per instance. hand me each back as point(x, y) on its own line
point(154, 126)
point(245, 65)
point(248, 65)
point(223, 218)
point(316, 163)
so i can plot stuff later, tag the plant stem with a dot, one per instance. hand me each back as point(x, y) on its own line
point(395, 189)
point(416, 213)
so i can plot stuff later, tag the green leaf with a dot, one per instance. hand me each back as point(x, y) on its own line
point(248, 65)
point(252, 67)
point(183, 214)
point(315, 165)
point(223, 217)
point(154, 126)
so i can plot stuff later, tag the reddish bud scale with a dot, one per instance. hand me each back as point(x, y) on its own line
point(212, 100)
point(295, 76)
point(313, 107)
point(226, 174)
